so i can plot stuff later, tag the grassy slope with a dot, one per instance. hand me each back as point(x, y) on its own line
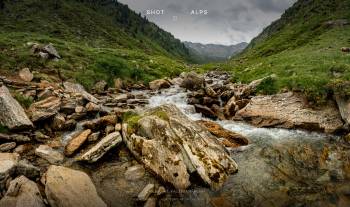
point(94, 41)
point(301, 50)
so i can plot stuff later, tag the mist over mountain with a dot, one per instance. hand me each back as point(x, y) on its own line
point(204, 53)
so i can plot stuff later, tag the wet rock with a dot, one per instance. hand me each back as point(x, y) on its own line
point(24, 167)
point(58, 122)
point(24, 148)
point(94, 137)
point(105, 144)
point(159, 84)
point(22, 192)
point(26, 75)
point(12, 114)
point(288, 110)
point(146, 192)
point(100, 87)
point(76, 142)
point(7, 146)
point(41, 137)
point(44, 109)
point(192, 81)
point(101, 122)
point(206, 111)
point(218, 131)
point(51, 50)
point(77, 88)
point(65, 187)
point(172, 146)
point(210, 92)
point(120, 98)
point(49, 154)
point(8, 163)
point(134, 172)
point(109, 129)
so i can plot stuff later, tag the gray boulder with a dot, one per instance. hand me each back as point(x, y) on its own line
point(12, 114)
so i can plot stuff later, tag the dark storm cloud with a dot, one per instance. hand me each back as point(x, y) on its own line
point(227, 21)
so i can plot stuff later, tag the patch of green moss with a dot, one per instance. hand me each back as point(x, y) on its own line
point(132, 119)
point(25, 101)
point(162, 115)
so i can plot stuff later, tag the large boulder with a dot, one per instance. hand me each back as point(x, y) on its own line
point(12, 114)
point(22, 192)
point(159, 84)
point(51, 50)
point(288, 110)
point(8, 163)
point(65, 187)
point(192, 81)
point(172, 146)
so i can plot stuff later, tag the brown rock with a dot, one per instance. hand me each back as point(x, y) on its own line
point(101, 87)
point(65, 187)
point(76, 142)
point(192, 81)
point(26, 75)
point(288, 110)
point(100, 122)
point(207, 112)
point(159, 84)
point(22, 192)
point(44, 109)
point(118, 84)
point(218, 131)
point(49, 154)
point(7, 146)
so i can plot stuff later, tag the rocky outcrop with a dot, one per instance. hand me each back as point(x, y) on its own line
point(65, 187)
point(288, 110)
point(44, 109)
point(105, 144)
point(172, 146)
point(12, 114)
point(22, 192)
point(234, 139)
point(192, 81)
point(159, 84)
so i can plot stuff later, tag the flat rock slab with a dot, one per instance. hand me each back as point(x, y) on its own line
point(173, 146)
point(76, 142)
point(288, 110)
point(12, 114)
point(22, 192)
point(65, 187)
point(97, 151)
point(49, 154)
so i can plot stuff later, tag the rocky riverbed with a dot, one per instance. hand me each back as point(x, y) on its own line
point(189, 141)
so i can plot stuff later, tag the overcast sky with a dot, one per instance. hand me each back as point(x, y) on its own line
point(226, 21)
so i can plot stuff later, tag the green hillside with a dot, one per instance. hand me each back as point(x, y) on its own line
point(99, 39)
point(303, 48)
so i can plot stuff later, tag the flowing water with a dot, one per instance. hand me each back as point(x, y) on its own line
point(279, 168)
